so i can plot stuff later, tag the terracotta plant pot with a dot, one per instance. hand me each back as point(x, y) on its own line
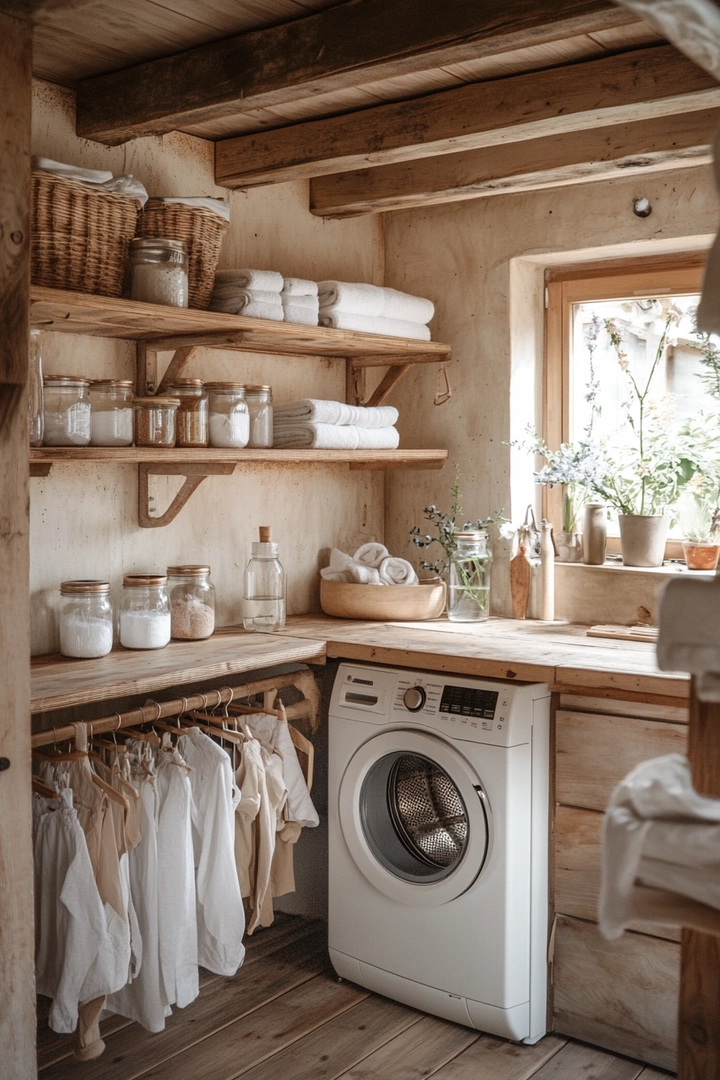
point(699, 556)
point(642, 538)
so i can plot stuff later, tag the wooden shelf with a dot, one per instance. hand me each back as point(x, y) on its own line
point(59, 683)
point(178, 456)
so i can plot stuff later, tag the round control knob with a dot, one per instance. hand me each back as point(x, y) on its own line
point(414, 698)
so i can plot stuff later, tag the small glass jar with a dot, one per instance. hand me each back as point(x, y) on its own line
point(111, 418)
point(144, 612)
point(469, 592)
point(229, 415)
point(191, 422)
point(35, 389)
point(265, 587)
point(66, 413)
point(259, 403)
point(192, 602)
point(158, 271)
point(155, 421)
point(86, 619)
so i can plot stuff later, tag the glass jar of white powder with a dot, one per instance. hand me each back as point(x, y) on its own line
point(66, 412)
point(158, 271)
point(192, 602)
point(144, 612)
point(86, 618)
point(259, 402)
point(229, 415)
point(111, 418)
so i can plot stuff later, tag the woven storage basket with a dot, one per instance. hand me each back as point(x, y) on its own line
point(80, 234)
point(202, 233)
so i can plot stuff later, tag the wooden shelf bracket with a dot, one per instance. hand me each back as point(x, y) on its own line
point(194, 475)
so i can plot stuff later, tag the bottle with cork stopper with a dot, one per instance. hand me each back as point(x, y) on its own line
point(264, 599)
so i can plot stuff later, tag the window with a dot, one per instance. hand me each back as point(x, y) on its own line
point(632, 298)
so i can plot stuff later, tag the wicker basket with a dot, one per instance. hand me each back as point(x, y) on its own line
point(202, 233)
point(80, 235)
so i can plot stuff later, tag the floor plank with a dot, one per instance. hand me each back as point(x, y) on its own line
point(417, 1053)
point(576, 1060)
point(496, 1059)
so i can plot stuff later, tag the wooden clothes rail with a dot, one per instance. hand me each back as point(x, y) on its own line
point(158, 710)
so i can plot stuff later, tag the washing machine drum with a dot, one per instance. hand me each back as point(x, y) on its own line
point(414, 816)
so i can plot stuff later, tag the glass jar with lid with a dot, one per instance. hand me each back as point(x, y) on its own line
point(155, 421)
point(264, 603)
point(111, 418)
point(158, 271)
point(66, 411)
point(192, 602)
point(469, 592)
point(85, 618)
point(259, 403)
point(229, 417)
point(191, 423)
point(35, 389)
point(144, 612)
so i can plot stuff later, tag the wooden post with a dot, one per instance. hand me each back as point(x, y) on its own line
point(17, 986)
point(699, 1017)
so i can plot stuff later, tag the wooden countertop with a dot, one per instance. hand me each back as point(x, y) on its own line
point(557, 653)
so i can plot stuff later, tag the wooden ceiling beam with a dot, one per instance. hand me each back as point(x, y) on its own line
point(693, 26)
point(553, 161)
point(635, 85)
point(348, 45)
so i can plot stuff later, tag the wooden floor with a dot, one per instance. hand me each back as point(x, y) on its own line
point(284, 1016)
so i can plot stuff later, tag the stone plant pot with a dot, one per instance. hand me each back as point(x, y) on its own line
point(642, 538)
point(699, 556)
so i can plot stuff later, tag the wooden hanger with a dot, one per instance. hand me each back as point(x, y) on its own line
point(43, 789)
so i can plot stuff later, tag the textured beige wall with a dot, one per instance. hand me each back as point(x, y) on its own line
point(84, 520)
point(482, 262)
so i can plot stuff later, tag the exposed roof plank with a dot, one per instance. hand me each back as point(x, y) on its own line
point(356, 42)
point(598, 154)
point(646, 82)
point(693, 26)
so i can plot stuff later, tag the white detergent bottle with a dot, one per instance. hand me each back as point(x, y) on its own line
point(264, 601)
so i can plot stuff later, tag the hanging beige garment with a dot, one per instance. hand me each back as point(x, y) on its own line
point(277, 792)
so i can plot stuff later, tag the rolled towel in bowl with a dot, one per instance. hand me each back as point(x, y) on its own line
point(362, 574)
point(371, 554)
point(268, 280)
point(336, 570)
point(394, 571)
point(361, 298)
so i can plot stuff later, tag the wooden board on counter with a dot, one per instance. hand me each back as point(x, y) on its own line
point(557, 653)
point(57, 682)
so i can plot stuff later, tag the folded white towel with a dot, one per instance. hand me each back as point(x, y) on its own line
point(382, 438)
point(255, 296)
point(315, 436)
point(359, 298)
point(372, 554)
point(293, 286)
point(321, 411)
point(306, 303)
point(370, 324)
point(304, 316)
point(343, 568)
point(256, 304)
point(270, 280)
point(394, 571)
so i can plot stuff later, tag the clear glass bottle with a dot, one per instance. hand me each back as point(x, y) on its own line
point(191, 422)
point(111, 418)
point(35, 389)
point(144, 612)
point(192, 602)
point(155, 421)
point(264, 601)
point(469, 591)
point(158, 271)
point(229, 417)
point(259, 403)
point(66, 413)
point(85, 618)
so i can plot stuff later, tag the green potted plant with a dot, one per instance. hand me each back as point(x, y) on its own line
point(699, 516)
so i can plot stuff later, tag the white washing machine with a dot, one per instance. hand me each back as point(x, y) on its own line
point(438, 844)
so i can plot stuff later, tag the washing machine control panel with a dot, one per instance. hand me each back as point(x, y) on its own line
point(464, 708)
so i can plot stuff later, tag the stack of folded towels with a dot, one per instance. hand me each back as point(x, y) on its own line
point(300, 301)
point(313, 423)
point(372, 564)
point(256, 293)
point(348, 305)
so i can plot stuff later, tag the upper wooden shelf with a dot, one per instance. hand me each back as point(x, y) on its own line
point(172, 328)
point(177, 457)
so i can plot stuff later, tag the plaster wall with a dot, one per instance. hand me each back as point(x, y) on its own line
point(482, 261)
point(83, 520)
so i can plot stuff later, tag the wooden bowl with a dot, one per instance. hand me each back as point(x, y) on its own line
point(383, 603)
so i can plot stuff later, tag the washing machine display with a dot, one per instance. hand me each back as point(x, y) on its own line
point(438, 844)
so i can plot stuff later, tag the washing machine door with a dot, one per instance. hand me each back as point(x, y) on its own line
point(414, 816)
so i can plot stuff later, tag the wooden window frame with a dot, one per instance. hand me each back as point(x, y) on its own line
point(565, 286)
